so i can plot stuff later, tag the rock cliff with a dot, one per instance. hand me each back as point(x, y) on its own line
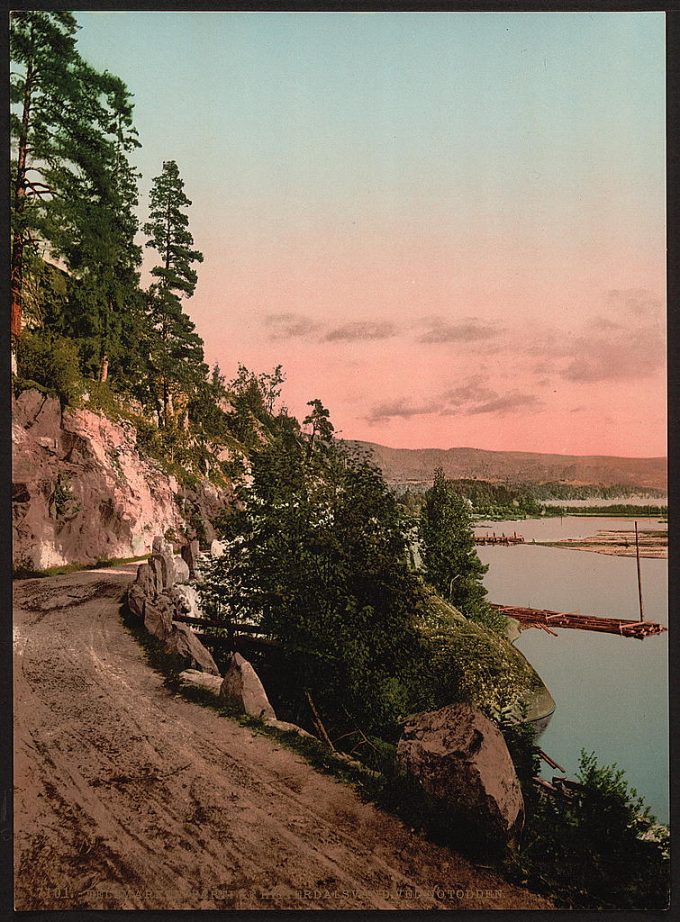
point(83, 492)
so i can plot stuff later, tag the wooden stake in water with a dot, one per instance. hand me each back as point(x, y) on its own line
point(637, 554)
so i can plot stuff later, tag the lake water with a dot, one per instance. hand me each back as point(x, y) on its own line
point(611, 692)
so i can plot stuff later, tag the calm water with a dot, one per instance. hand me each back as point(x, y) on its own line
point(611, 692)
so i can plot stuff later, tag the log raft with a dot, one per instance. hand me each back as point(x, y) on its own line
point(507, 540)
point(542, 618)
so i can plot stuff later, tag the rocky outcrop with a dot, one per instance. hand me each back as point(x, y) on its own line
point(157, 596)
point(459, 756)
point(82, 491)
point(242, 687)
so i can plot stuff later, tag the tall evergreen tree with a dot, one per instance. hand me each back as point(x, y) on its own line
point(74, 192)
point(178, 352)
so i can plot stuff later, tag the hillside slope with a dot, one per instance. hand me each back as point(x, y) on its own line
point(401, 465)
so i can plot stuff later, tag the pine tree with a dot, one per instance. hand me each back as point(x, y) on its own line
point(74, 192)
point(178, 352)
point(43, 80)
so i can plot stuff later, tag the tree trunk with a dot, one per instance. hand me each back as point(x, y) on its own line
point(104, 369)
point(18, 240)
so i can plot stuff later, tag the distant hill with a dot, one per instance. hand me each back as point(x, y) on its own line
point(417, 465)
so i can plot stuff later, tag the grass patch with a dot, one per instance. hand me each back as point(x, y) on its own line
point(24, 570)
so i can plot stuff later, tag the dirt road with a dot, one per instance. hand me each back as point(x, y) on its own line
point(128, 797)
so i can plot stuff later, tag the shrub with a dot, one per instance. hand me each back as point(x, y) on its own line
point(599, 848)
point(53, 362)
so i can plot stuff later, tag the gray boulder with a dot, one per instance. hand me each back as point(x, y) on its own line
point(136, 599)
point(242, 687)
point(158, 617)
point(192, 677)
point(459, 756)
point(190, 554)
point(146, 580)
point(187, 601)
point(187, 645)
point(181, 570)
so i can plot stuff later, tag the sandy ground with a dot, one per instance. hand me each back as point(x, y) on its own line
point(129, 797)
point(618, 543)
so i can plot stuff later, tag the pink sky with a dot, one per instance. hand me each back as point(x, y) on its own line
point(450, 228)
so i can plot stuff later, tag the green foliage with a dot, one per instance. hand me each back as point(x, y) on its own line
point(599, 848)
point(450, 560)
point(53, 362)
point(463, 661)
point(317, 557)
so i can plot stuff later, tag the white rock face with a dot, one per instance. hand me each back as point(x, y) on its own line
point(81, 490)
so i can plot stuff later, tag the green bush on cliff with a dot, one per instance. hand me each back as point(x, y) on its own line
point(463, 661)
point(54, 363)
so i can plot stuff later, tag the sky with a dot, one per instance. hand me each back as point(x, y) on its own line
point(449, 227)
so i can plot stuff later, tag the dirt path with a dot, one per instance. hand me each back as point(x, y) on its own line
point(128, 797)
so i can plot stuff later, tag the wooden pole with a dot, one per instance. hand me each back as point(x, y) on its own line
point(318, 723)
point(639, 575)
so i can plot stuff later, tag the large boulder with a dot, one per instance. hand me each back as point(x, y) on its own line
point(158, 616)
point(192, 677)
point(187, 645)
point(146, 579)
point(181, 570)
point(459, 756)
point(242, 687)
point(189, 553)
point(187, 601)
point(136, 599)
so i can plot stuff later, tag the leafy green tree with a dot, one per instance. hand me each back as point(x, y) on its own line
point(599, 848)
point(178, 352)
point(317, 557)
point(450, 560)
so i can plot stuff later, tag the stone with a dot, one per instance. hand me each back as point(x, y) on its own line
point(287, 727)
point(216, 548)
point(212, 683)
point(160, 546)
point(242, 687)
point(459, 756)
point(181, 570)
point(187, 645)
point(158, 617)
point(156, 567)
point(135, 600)
point(187, 601)
point(190, 554)
point(164, 564)
point(146, 580)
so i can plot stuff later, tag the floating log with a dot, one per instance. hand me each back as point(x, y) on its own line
point(551, 762)
point(545, 619)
